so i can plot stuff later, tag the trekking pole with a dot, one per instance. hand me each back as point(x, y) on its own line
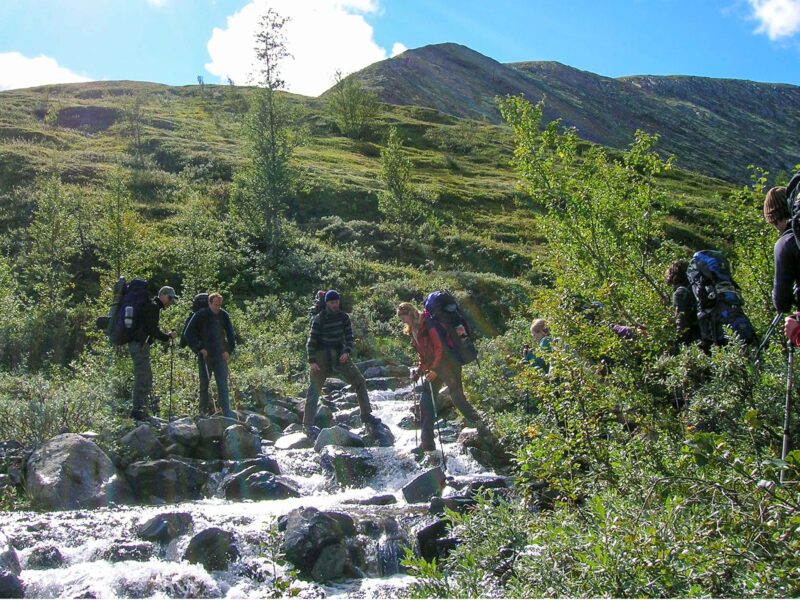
point(171, 376)
point(416, 414)
point(765, 341)
point(788, 407)
point(438, 427)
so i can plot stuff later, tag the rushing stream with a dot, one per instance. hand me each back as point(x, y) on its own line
point(99, 547)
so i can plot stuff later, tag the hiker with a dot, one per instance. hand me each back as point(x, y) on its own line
point(210, 335)
point(683, 302)
point(719, 300)
point(787, 259)
point(139, 348)
point(329, 345)
point(438, 367)
point(540, 332)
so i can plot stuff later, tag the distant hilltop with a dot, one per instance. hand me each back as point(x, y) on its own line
point(715, 126)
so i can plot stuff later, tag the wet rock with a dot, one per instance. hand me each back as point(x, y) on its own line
point(422, 487)
point(330, 563)
point(378, 434)
point(260, 485)
point(239, 443)
point(214, 548)
point(264, 463)
point(408, 423)
point(11, 585)
point(458, 504)
point(69, 472)
point(324, 417)
point(178, 450)
point(213, 428)
point(208, 449)
point(350, 466)
point(184, 431)
point(337, 436)
point(9, 561)
point(400, 371)
point(170, 480)
point(279, 415)
point(294, 441)
point(428, 539)
point(487, 483)
point(293, 428)
point(366, 365)
point(382, 383)
point(122, 551)
point(164, 528)
point(379, 500)
point(373, 372)
point(142, 443)
point(332, 384)
point(307, 533)
point(260, 423)
point(45, 557)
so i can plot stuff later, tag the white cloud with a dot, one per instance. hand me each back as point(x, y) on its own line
point(398, 48)
point(18, 71)
point(157, 3)
point(778, 18)
point(323, 36)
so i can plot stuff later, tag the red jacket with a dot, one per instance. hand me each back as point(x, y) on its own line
point(428, 344)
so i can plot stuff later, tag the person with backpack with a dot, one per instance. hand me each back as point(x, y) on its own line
point(146, 331)
point(439, 366)
point(719, 300)
point(210, 334)
point(777, 213)
point(329, 345)
point(683, 303)
point(540, 332)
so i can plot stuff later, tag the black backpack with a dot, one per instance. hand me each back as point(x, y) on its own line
point(710, 277)
point(793, 200)
point(318, 305)
point(446, 316)
point(127, 318)
point(199, 302)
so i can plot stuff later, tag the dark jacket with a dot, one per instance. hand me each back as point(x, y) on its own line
point(685, 305)
point(148, 323)
point(787, 271)
point(330, 330)
point(211, 332)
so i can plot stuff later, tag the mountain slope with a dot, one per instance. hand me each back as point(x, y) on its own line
point(715, 126)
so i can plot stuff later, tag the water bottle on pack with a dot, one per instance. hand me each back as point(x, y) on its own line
point(128, 317)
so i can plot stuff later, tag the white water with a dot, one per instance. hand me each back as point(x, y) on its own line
point(83, 536)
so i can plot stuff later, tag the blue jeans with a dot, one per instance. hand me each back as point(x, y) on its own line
point(215, 364)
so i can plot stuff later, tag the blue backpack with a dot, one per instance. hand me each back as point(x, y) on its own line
point(127, 320)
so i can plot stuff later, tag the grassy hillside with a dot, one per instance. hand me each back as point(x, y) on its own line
point(715, 126)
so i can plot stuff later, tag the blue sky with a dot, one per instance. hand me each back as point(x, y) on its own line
point(174, 41)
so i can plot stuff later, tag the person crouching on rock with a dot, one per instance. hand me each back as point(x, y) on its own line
point(439, 367)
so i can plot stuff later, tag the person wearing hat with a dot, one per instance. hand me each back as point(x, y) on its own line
point(139, 348)
point(329, 345)
point(211, 336)
point(786, 255)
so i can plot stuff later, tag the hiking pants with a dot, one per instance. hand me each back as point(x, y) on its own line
point(328, 361)
point(142, 374)
point(215, 364)
point(450, 375)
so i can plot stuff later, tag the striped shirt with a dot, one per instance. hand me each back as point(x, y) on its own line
point(330, 330)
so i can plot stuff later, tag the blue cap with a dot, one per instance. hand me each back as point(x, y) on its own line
point(331, 295)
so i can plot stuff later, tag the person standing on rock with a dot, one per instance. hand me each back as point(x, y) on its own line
point(139, 348)
point(329, 345)
point(439, 367)
point(211, 336)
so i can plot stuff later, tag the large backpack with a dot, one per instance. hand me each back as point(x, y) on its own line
point(709, 275)
point(199, 302)
point(106, 323)
point(127, 320)
point(793, 200)
point(446, 316)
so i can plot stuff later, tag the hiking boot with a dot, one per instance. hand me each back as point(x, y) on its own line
point(371, 419)
point(312, 431)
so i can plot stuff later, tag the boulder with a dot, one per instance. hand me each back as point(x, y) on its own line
point(307, 533)
point(169, 480)
point(260, 423)
point(239, 443)
point(408, 423)
point(458, 504)
point(165, 527)
point(45, 557)
point(282, 417)
point(214, 548)
point(350, 466)
point(142, 443)
point(213, 428)
point(264, 463)
point(184, 431)
point(294, 441)
point(332, 384)
point(381, 383)
point(324, 417)
point(235, 486)
point(428, 537)
point(376, 371)
point(422, 487)
point(330, 563)
point(400, 371)
point(260, 486)
point(69, 472)
point(11, 585)
point(366, 365)
point(379, 500)
point(9, 561)
point(378, 434)
point(208, 449)
point(338, 436)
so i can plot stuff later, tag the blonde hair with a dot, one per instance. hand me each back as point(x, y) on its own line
point(213, 295)
point(538, 325)
point(406, 308)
